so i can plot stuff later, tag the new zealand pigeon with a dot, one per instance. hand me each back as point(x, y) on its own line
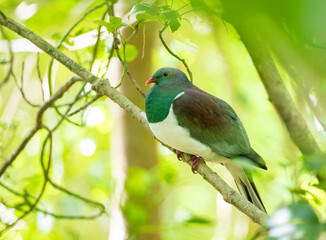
point(192, 121)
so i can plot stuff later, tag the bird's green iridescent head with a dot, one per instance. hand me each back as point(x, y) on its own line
point(169, 82)
point(167, 75)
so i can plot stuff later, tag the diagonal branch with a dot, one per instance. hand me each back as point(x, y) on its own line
point(277, 92)
point(38, 124)
point(46, 47)
point(102, 87)
point(65, 35)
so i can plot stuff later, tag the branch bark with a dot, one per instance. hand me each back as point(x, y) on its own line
point(102, 87)
point(250, 22)
point(277, 92)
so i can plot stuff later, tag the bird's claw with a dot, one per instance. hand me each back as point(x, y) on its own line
point(195, 162)
point(179, 154)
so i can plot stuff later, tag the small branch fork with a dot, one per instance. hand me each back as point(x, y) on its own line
point(102, 87)
point(46, 166)
point(38, 126)
point(85, 105)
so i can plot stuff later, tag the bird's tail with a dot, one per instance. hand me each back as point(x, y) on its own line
point(245, 184)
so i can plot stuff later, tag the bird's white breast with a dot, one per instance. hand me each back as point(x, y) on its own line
point(169, 132)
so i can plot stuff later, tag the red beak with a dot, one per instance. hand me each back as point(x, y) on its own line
point(151, 80)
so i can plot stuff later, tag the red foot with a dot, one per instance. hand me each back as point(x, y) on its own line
point(178, 154)
point(195, 162)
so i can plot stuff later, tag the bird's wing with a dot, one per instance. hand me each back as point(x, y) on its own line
point(211, 121)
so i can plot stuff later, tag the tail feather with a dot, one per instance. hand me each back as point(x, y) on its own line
point(245, 184)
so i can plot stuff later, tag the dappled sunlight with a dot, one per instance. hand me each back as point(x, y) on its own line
point(93, 116)
point(25, 11)
point(77, 160)
point(87, 147)
point(44, 222)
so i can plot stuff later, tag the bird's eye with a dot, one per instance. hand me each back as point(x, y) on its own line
point(165, 74)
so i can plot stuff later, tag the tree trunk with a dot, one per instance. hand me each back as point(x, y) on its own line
point(132, 145)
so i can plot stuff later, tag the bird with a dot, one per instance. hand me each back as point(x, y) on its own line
point(192, 121)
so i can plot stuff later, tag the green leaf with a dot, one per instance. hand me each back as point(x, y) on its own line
point(107, 25)
point(4, 61)
point(143, 17)
point(171, 15)
point(115, 20)
point(198, 5)
point(174, 25)
point(113, 24)
point(199, 220)
point(139, 7)
point(164, 7)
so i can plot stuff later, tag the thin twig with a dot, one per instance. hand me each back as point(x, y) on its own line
point(21, 88)
point(102, 86)
point(183, 6)
point(109, 58)
point(91, 202)
point(80, 97)
point(11, 61)
point(38, 125)
point(85, 105)
point(26, 197)
point(97, 41)
point(125, 70)
point(47, 179)
point(124, 62)
point(62, 90)
point(65, 118)
point(60, 216)
point(14, 155)
point(63, 38)
point(172, 53)
point(186, 12)
point(46, 172)
point(64, 115)
point(39, 75)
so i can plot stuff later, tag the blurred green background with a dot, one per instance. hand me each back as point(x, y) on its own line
point(111, 159)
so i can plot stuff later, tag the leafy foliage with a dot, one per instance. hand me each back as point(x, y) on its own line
point(296, 221)
point(113, 25)
point(83, 181)
point(163, 13)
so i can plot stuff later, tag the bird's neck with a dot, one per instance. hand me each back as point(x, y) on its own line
point(159, 100)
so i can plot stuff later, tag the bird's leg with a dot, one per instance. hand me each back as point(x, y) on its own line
point(179, 153)
point(195, 162)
